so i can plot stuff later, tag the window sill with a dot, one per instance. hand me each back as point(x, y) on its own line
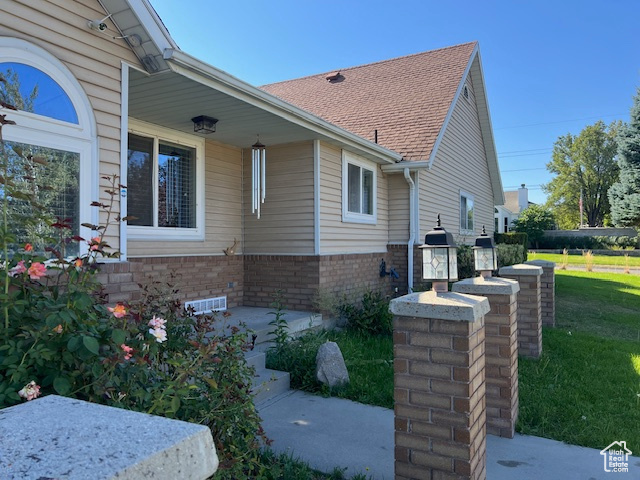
point(355, 218)
point(165, 234)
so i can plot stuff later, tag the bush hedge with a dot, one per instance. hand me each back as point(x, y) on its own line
point(588, 243)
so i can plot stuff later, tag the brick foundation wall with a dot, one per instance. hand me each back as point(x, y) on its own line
point(350, 274)
point(398, 260)
point(439, 392)
point(196, 277)
point(120, 281)
point(297, 277)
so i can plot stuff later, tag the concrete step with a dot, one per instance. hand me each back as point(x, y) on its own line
point(256, 359)
point(268, 384)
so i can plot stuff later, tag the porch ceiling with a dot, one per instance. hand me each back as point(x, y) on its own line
point(170, 100)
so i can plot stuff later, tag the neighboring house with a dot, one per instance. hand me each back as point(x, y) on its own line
point(336, 201)
point(514, 203)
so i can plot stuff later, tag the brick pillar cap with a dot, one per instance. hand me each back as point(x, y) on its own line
point(521, 269)
point(487, 286)
point(442, 306)
point(541, 263)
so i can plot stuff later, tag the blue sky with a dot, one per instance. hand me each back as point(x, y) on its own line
point(550, 67)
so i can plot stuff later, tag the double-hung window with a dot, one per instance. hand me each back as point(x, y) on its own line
point(164, 184)
point(466, 213)
point(358, 189)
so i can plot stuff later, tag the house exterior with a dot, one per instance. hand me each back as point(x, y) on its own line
point(337, 202)
point(514, 203)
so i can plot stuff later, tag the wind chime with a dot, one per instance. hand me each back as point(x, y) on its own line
point(258, 175)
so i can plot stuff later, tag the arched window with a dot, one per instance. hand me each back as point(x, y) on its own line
point(52, 147)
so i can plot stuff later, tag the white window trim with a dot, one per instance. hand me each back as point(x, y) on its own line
point(468, 196)
point(135, 232)
point(351, 217)
point(48, 132)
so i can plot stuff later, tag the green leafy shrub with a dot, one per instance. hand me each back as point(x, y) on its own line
point(589, 243)
point(59, 336)
point(514, 238)
point(371, 314)
point(298, 357)
point(466, 264)
point(510, 254)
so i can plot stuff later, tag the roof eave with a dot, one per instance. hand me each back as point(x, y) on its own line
point(190, 66)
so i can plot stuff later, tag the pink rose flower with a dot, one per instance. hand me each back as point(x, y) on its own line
point(28, 247)
point(128, 351)
point(30, 391)
point(94, 244)
point(19, 269)
point(37, 270)
point(157, 322)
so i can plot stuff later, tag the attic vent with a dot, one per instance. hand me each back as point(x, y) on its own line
point(465, 92)
point(207, 305)
point(335, 77)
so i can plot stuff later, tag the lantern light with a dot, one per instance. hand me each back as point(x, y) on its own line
point(204, 124)
point(439, 258)
point(484, 254)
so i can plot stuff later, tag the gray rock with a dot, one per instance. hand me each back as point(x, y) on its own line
point(330, 367)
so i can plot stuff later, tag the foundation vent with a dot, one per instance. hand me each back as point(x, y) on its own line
point(207, 305)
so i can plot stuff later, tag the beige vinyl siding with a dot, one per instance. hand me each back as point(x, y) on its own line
point(60, 27)
point(398, 208)
point(223, 209)
point(286, 224)
point(460, 164)
point(336, 236)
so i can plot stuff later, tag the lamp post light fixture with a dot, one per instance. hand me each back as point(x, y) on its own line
point(484, 255)
point(204, 124)
point(439, 258)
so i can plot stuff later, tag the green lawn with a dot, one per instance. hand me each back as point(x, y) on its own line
point(610, 260)
point(585, 388)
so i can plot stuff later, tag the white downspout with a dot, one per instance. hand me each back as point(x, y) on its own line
point(412, 237)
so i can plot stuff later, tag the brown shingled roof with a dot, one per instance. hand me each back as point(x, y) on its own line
point(405, 99)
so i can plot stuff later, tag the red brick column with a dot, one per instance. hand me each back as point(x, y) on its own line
point(439, 382)
point(501, 355)
point(548, 291)
point(529, 307)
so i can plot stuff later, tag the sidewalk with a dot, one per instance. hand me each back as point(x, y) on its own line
point(331, 432)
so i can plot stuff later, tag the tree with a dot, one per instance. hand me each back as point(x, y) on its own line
point(624, 195)
point(534, 221)
point(583, 164)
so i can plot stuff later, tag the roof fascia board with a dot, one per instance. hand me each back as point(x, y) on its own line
point(152, 23)
point(411, 165)
point(445, 124)
point(488, 138)
point(190, 67)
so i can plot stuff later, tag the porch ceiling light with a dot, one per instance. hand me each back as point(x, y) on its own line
point(204, 124)
point(439, 258)
point(258, 175)
point(484, 254)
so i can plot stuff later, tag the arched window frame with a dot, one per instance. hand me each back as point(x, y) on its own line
point(48, 132)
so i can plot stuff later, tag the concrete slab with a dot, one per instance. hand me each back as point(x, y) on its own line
point(331, 432)
point(63, 438)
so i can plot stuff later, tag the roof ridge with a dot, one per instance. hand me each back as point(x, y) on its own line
point(379, 62)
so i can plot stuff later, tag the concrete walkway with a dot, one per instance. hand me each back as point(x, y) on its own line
point(331, 432)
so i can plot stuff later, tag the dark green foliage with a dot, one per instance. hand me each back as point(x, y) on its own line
point(624, 195)
point(298, 357)
point(510, 254)
point(534, 221)
point(370, 315)
point(588, 243)
point(466, 266)
point(280, 326)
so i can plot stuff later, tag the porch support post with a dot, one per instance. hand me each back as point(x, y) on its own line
point(501, 356)
point(439, 386)
point(529, 307)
